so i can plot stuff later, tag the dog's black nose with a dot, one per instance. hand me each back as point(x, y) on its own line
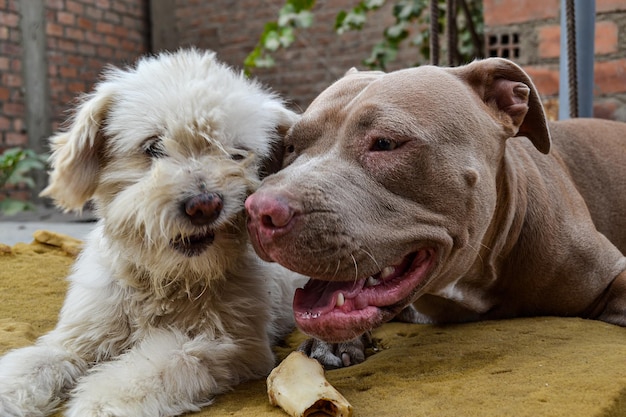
point(204, 208)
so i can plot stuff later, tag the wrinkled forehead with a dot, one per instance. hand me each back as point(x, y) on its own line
point(421, 88)
point(343, 91)
point(424, 88)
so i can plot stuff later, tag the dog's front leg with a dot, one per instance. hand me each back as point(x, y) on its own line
point(167, 374)
point(613, 302)
point(35, 379)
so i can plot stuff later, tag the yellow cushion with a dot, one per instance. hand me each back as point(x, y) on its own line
point(526, 367)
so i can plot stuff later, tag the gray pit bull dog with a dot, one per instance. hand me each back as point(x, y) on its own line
point(445, 189)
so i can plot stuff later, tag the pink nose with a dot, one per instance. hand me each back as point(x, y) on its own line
point(270, 212)
point(203, 209)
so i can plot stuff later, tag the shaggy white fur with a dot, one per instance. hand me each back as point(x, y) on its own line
point(167, 305)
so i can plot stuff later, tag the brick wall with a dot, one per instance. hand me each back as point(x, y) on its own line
point(85, 35)
point(82, 37)
point(537, 24)
point(11, 100)
point(318, 57)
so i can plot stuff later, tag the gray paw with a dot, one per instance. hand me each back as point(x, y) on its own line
point(337, 355)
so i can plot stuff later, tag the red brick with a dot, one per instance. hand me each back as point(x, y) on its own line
point(105, 52)
point(606, 38)
point(121, 31)
point(545, 78)
point(5, 93)
point(55, 4)
point(104, 27)
point(15, 36)
point(112, 41)
point(86, 24)
point(94, 37)
point(12, 80)
point(76, 61)
point(504, 12)
point(120, 7)
point(68, 72)
point(65, 18)
point(610, 76)
point(52, 72)
point(15, 139)
point(11, 20)
point(5, 123)
point(74, 34)
point(13, 109)
point(549, 41)
point(103, 4)
point(54, 29)
point(66, 45)
point(76, 87)
point(603, 6)
point(112, 17)
point(86, 49)
point(15, 65)
point(18, 125)
point(605, 42)
point(93, 13)
point(74, 7)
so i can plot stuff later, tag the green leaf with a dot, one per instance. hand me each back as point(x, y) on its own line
point(265, 61)
point(300, 5)
point(294, 14)
point(373, 4)
point(287, 37)
point(9, 206)
point(304, 19)
point(272, 41)
point(340, 18)
point(397, 32)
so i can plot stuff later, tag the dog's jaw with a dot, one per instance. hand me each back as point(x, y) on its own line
point(337, 311)
point(195, 245)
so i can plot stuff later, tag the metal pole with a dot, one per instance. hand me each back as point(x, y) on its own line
point(585, 35)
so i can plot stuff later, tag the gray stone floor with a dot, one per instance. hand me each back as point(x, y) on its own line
point(20, 227)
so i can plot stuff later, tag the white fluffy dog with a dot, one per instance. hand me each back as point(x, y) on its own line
point(167, 304)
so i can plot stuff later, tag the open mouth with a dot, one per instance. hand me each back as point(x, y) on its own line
point(337, 311)
point(193, 245)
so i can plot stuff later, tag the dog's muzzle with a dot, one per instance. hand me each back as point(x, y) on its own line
point(201, 210)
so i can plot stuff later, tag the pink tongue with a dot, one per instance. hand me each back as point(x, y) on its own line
point(320, 296)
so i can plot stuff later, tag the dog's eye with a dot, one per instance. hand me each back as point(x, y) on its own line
point(384, 144)
point(239, 155)
point(154, 148)
point(290, 149)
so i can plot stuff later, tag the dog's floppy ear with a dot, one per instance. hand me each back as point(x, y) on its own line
point(77, 152)
point(274, 161)
point(512, 96)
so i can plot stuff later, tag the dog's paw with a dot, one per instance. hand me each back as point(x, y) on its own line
point(337, 355)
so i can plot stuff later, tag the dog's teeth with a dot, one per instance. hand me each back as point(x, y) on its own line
point(371, 281)
point(340, 300)
point(387, 272)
